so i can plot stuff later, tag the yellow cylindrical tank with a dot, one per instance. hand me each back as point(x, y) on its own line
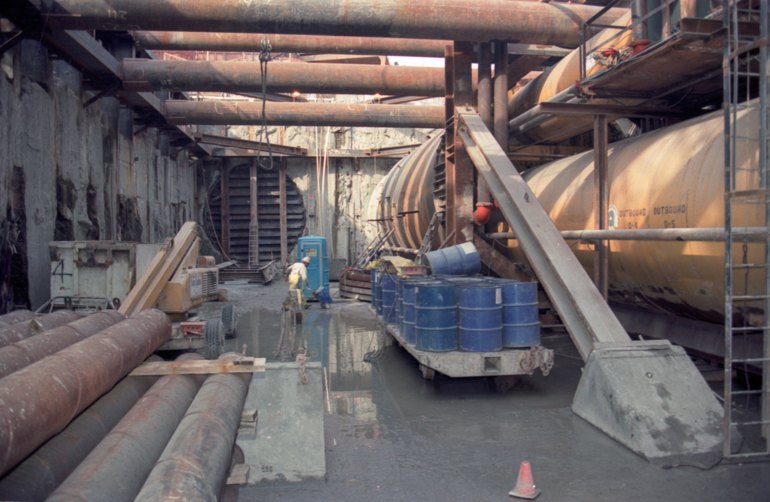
point(669, 178)
point(558, 78)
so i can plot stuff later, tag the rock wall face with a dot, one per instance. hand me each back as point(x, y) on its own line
point(74, 173)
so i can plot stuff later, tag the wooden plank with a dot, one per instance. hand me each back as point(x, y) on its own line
point(146, 291)
point(155, 265)
point(239, 475)
point(498, 263)
point(244, 365)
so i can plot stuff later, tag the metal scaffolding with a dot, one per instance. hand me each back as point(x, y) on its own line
point(747, 195)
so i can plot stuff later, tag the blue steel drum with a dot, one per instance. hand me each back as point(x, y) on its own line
point(407, 318)
point(480, 309)
point(388, 285)
point(521, 318)
point(435, 317)
point(462, 259)
point(378, 293)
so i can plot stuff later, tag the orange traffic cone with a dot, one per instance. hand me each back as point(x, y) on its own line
point(525, 487)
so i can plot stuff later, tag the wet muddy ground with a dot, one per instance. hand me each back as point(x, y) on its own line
point(393, 436)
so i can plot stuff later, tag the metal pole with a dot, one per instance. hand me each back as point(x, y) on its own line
point(752, 234)
point(26, 329)
point(460, 178)
point(41, 399)
point(480, 21)
point(147, 75)
point(20, 354)
point(303, 44)
point(194, 464)
point(225, 210)
point(303, 114)
point(117, 468)
point(485, 106)
point(501, 94)
point(601, 196)
point(282, 208)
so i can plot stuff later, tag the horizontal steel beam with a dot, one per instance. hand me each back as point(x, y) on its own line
point(751, 234)
point(245, 76)
point(312, 44)
point(244, 144)
point(483, 20)
point(616, 110)
point(303, 114)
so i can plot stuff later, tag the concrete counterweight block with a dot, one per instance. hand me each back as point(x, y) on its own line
point(650, 397)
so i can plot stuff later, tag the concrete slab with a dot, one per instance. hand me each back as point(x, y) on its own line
point(289, 440)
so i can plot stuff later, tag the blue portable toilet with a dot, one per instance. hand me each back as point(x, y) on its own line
point(314, 247)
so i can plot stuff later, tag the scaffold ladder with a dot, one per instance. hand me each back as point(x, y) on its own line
point(747, 195)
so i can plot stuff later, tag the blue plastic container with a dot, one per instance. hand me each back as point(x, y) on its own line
point(462, 259)
point(435, 316)
point(378, 293)
point(480, 317)
point(521, 318)
point(323, 296)
point(388, 285)
point(314, 247)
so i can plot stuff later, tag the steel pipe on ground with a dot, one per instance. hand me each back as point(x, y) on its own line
point(118, 467)
point(244, 76)
point(194, 464)
point(25, 329)
point(303, 114)
point(481, 21)
point(20, 354)
point(751, 234)
point(41, 399)
point(16, 316)
point(250, 42)
point(42, 472)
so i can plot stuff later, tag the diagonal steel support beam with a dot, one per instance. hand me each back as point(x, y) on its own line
point(586, 315)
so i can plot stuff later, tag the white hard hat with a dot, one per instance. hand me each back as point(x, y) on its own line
point(306, 259)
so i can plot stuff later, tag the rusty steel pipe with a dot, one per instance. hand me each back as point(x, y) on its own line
point(194, 464)
point(16, 316)
point(307, 44)
point(43, 471)
point(25, 329)
point(118, 467)
point(303, 114)
point(480, 21)
point(244, 76)
point(40, 400)
point(20, 354)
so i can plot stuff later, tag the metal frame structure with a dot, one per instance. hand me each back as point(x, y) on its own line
point(745, 187)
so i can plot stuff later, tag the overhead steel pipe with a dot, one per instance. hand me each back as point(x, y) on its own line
point(25, 329)
point(303, 114)
point(118, 467)
point(20, 354)
point(250, 42)
point(480, 21)
point(41, 399)
point(244, 76)
point(194, 464)
point(43, 471)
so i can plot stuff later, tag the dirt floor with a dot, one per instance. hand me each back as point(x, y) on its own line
point(393, 436)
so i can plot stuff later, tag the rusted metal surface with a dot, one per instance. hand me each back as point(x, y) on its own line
point(244, 76)
point(16, 316)
point(20, 354)
point(25, 329)
point(309, 44)
point(117, 468)
point(194, 464)
point(38, 401)
point(409, 215)
point(303, 114)
point(501, 94)
point(749, 234)
point(519, 68)
point(497, 262)
point(43, 471)
point(224, 219)
point(485, 20)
